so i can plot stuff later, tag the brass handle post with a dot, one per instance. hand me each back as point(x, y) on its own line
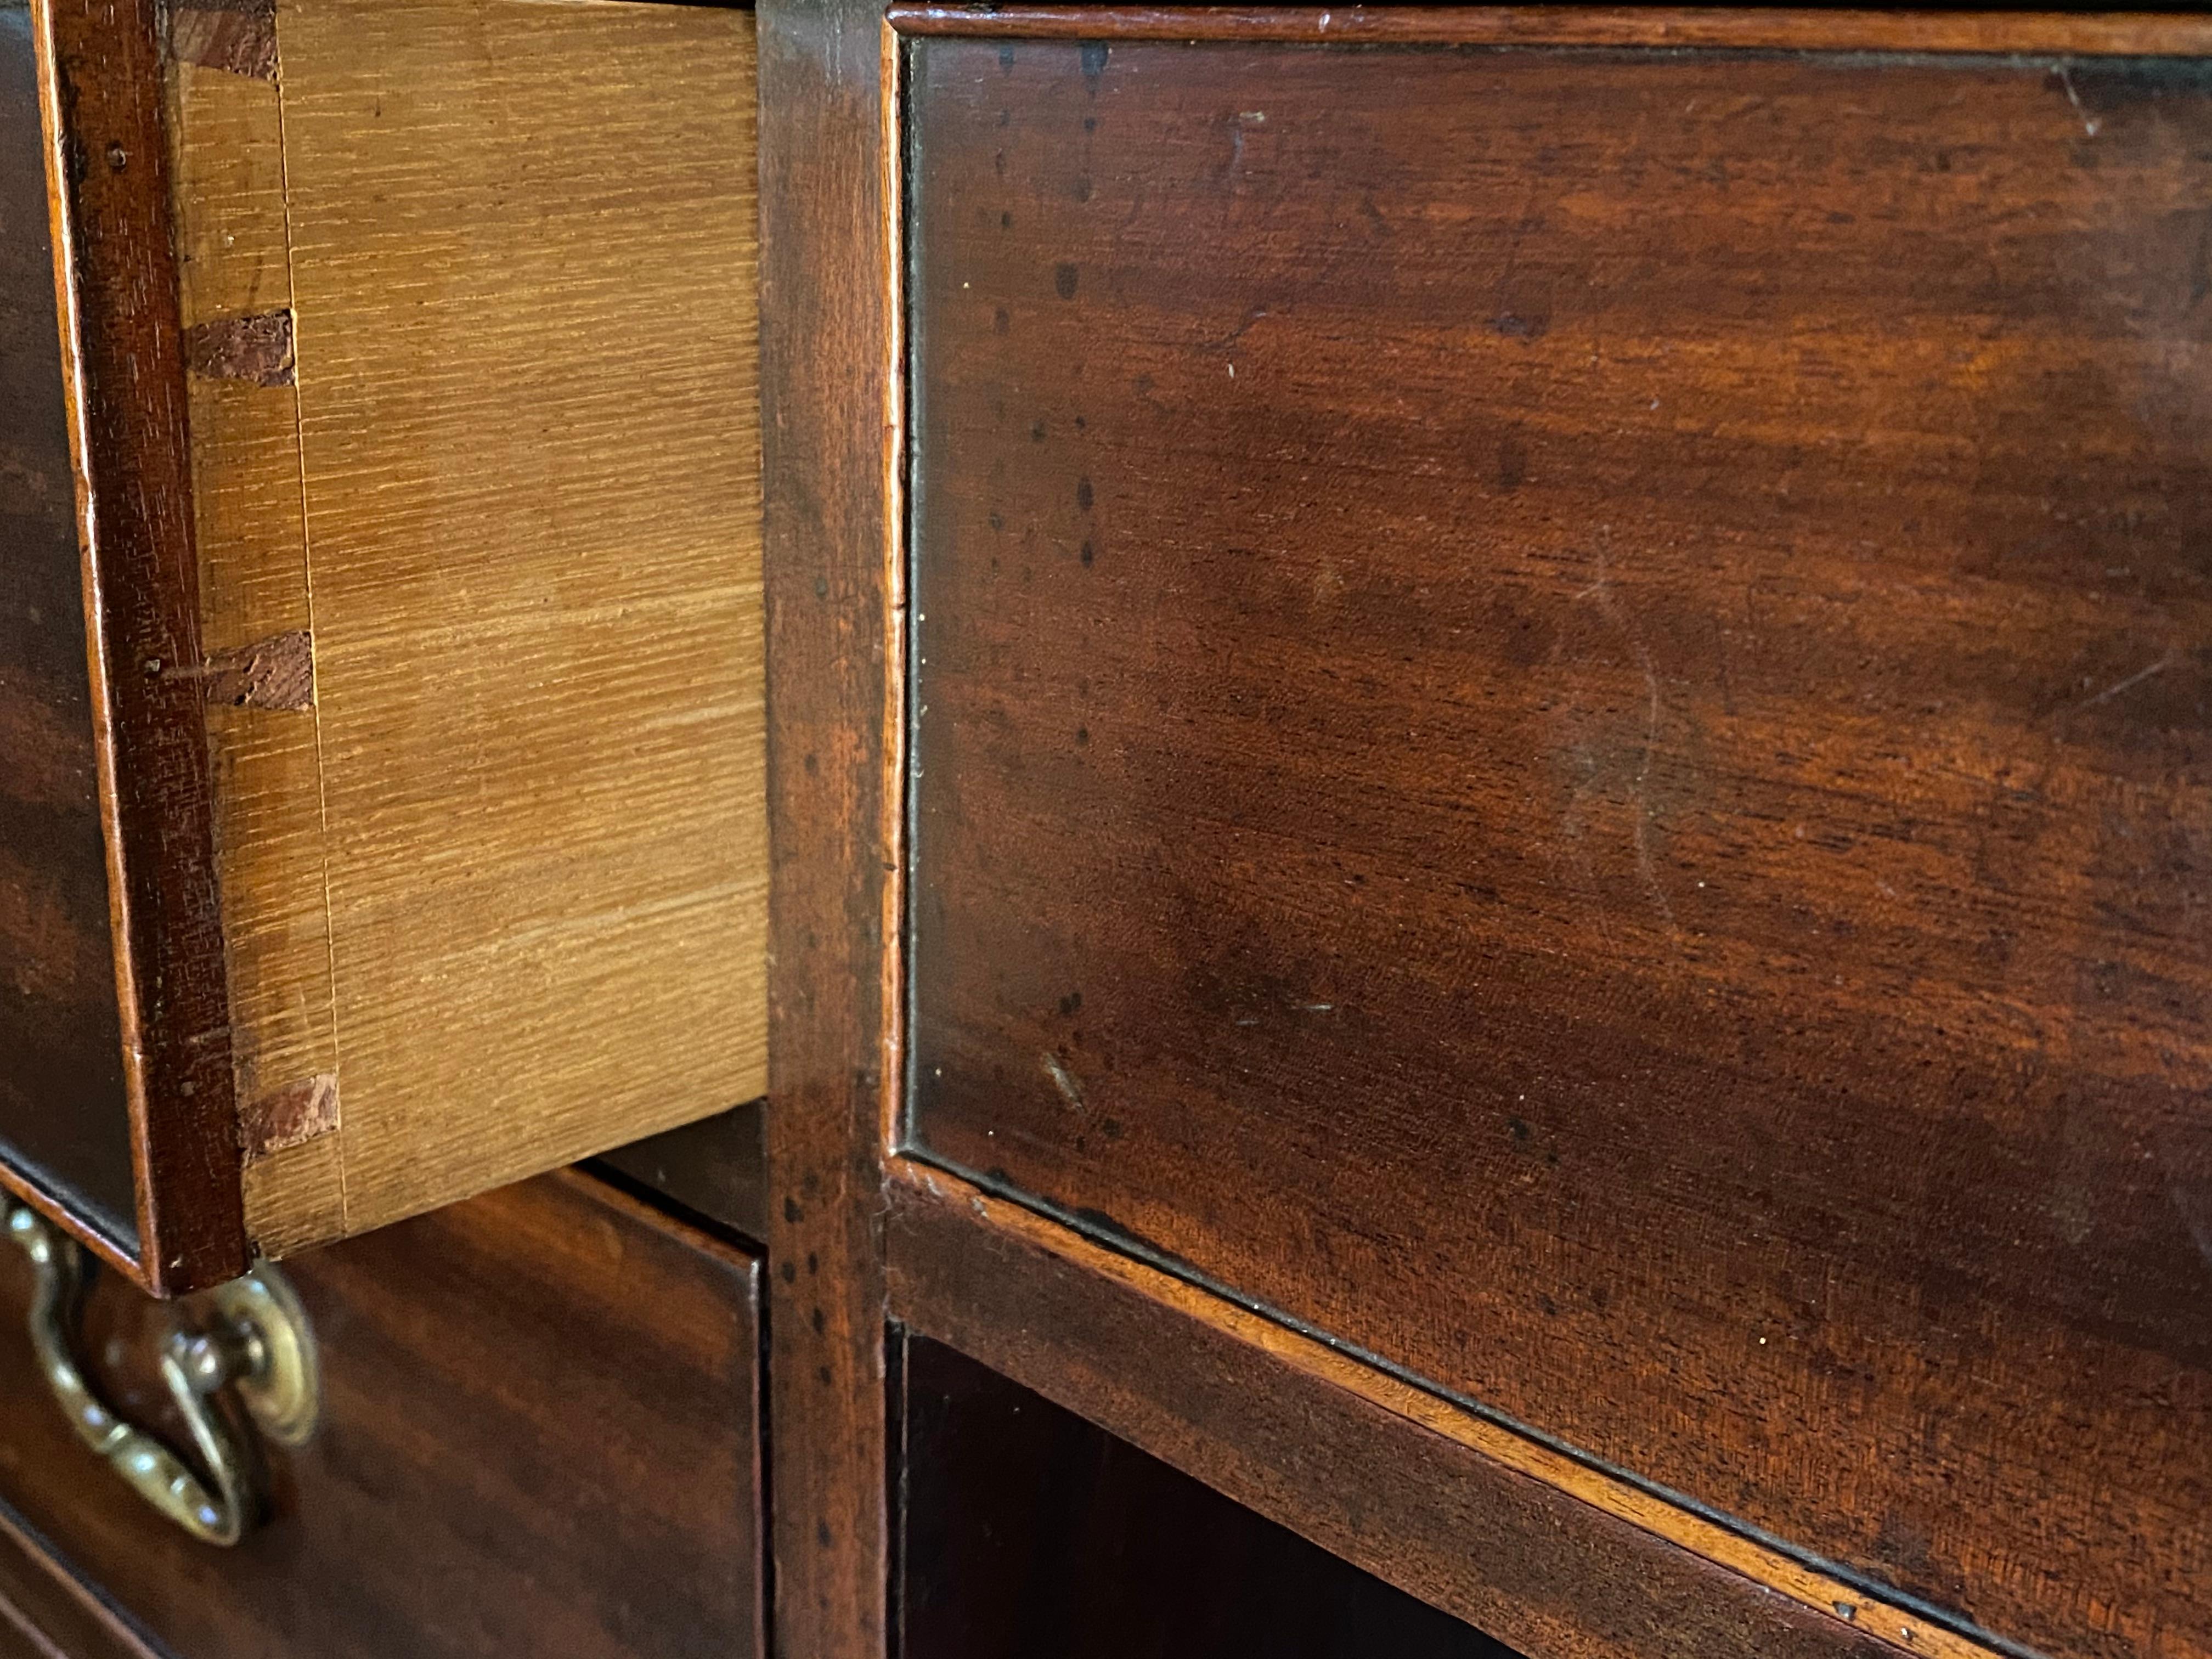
point(257, 1339)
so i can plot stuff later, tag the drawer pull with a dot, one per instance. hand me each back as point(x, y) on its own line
point(255, 1339)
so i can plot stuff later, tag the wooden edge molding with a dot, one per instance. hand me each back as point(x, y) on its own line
point(53, 1610)
point(2116, 34)
point(110, 1253)
point(827, 279)
point(123, 353)
point(619, 1199)
point(891, 767)
point(1539, 1550)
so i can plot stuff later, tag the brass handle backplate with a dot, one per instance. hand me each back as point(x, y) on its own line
point(255, 1339)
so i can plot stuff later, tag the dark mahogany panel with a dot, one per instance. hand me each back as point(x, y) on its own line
point(540, 1435)
point(1564, 724)
point(64, 1119)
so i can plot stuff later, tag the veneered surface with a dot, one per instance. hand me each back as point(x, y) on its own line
point(540, 1434)
point(1562, 728)
point(65, 1118)
point(126, 366)
point(1545, 1558)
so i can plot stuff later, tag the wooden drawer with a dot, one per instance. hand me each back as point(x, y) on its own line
point(419, 759)
point(540, 1435)
point(1561, 726)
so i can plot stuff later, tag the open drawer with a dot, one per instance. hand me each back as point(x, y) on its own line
point(380, 672)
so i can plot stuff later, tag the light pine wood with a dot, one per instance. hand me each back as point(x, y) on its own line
point(495, 899)
point(227, 135)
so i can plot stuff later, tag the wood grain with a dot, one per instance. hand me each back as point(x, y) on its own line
point(436, 660)
point(101, 97)
point(1541, 1553)
point(1025, 1530)
point(541, 1435)
point(1563, 732)
point(716, 1169)
point(227, 138)
point(237, 36)
point(64, 1116)
point(46, 1613)
point(829, 416)
point(2149, 33)
point(512, 892)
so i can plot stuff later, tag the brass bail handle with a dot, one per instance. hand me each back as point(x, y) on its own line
point(256, 1340)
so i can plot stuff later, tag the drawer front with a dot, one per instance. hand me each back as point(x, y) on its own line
point(540, 1434)
point(64, 1121)
point(1562, 725)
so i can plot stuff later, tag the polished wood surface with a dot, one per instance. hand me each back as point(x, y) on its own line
point(540, 1435)
point(101, 92)
point(2081, 31)
point(829, 420)
point(1025, 1531)
point(46, 1614)
point(1561, 730)
point(715, 1169)
point(1543, 1552)
point(64, 1117)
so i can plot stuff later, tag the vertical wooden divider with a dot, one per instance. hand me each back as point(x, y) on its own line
point(829, 420)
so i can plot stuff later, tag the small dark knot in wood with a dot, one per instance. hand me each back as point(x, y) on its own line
point(257, 348)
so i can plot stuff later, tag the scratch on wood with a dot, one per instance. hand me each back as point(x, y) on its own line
point(257, 348)
point(1639, 789)
point(237, 35)
point(2066, 80)
point(289, 1116)
point(2129, 684)
point(1064, 1080)
point(278, 673)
